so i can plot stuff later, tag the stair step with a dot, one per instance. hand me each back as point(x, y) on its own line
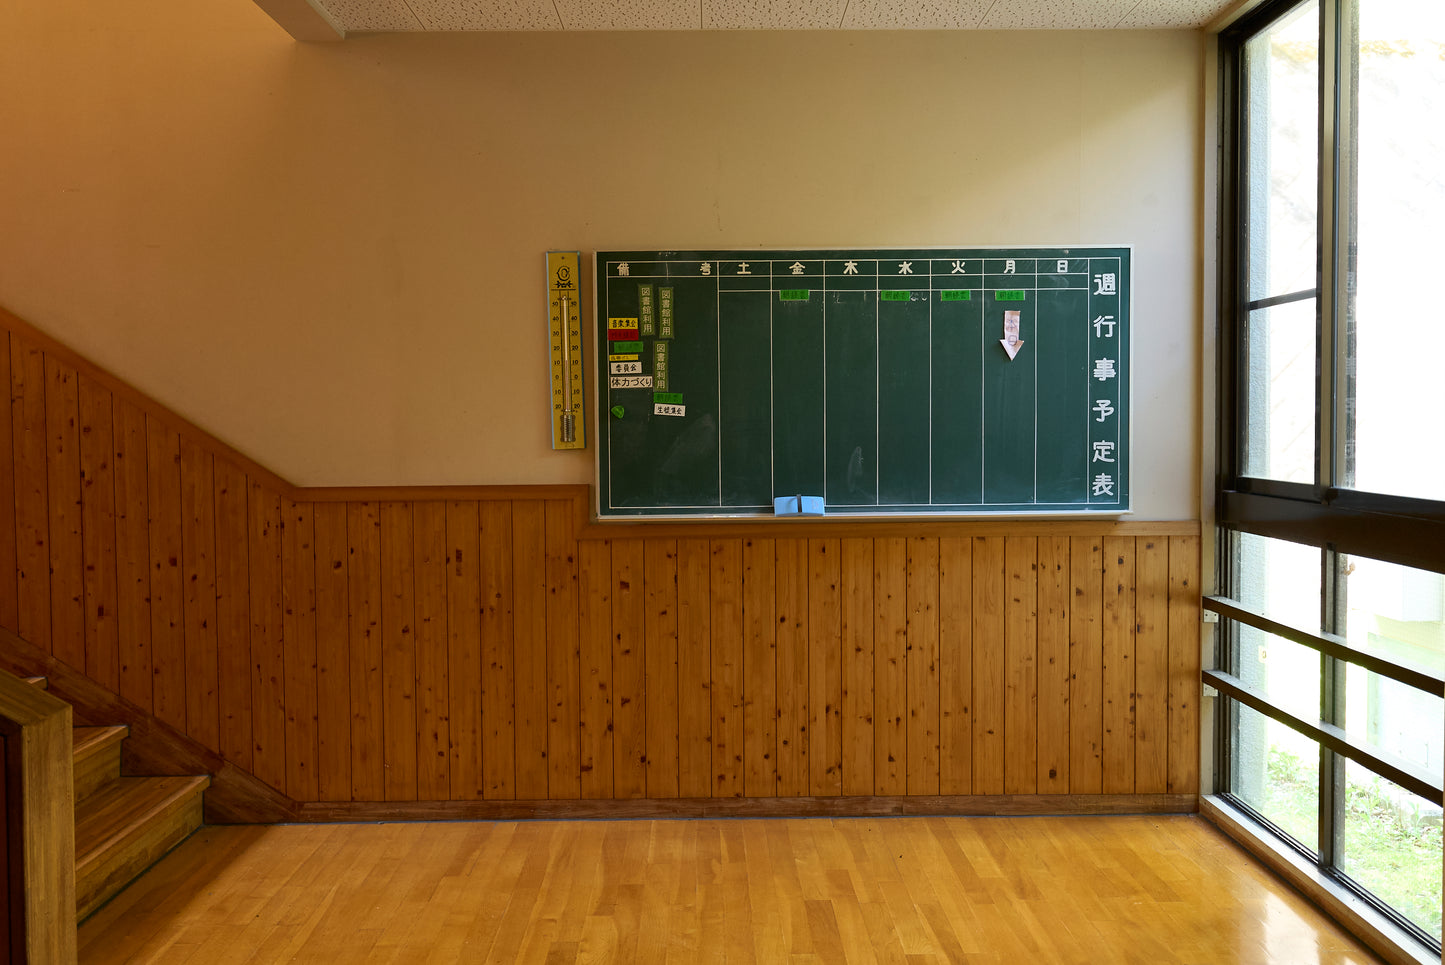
point(97, 758)
point(126, 827)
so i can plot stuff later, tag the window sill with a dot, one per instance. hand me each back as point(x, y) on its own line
point(1382, 936)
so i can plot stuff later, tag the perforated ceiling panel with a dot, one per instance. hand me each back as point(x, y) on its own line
point(772, 14)
point(914, 14)
point(630, 14)
point(447, 15)
point(487, 14)
point(1155, 14)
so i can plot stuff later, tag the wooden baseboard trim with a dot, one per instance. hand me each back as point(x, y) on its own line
point(775, 807)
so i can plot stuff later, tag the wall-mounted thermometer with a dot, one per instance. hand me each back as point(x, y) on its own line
point(565, 350)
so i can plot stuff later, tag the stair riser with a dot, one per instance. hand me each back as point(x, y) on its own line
point(95, 771)
point(99, 879)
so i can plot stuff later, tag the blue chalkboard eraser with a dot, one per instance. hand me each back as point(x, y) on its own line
point(785, 505)
point(810, 505)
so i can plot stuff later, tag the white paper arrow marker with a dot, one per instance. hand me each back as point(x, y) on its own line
point(1011, 342)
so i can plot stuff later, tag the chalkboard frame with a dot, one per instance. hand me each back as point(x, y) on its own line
point(986, 287)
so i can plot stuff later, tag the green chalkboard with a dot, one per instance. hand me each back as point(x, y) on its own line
point(879, 379)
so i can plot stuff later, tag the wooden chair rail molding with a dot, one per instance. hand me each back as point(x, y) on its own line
point(39, 825)
point(444, 647)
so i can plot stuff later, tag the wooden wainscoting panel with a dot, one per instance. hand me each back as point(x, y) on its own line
point(595, 725)
point(1021, 684)
point(1118, 665)
point(433, 716)
point(1184, 664)
point(529, 655)
point(298, 639)
point(890, 665)
point(168, 640)
point(856, 628)
point(467, 651)
point(1151, 665)
point(563, 684)
point(694, 668)
point(760, 669)
point(790, 571)
point(398, 650)
point(97, 505)
point(824, 738)
point(333, 654)
point(629, 672)
point(924, 696)
point(1053, 665)
point(726, 601)
point(1086, 664)
point(32, 514)
point(368, 700)
point(989, 667)
point(233, 609)
point(955, 664)
point(198, 577)
point(660, 665)
point(499, 668)
point(63, 501)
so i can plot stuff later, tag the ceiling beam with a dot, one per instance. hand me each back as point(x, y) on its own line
point(303, 20)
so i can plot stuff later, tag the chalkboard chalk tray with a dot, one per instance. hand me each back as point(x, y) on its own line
point(886, 381)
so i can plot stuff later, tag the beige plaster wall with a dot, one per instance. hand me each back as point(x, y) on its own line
point(331, 255)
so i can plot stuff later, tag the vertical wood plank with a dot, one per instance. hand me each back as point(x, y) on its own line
point(629, 681)
point(825, 668)
point(333, 653)
point(923, 682)
point(466, 651)
point(398, 651)
point(1086, 665)
point(97, 501)
point(1053, 637)
point(168, 633)
point(890, 665)
point(1184, 664)
point(594, 577)
point(760, 669)
point(529, 561)
point(1021, 686)
point(368, 700)
point(67, 579)
point(298, 641)
point(32, 514)
point(198, 559)
point(855, 724)
point(433, 720)
point(726, 598)
point(955, 673)
point(233, 605)
point(9, 565)
point(564, 693)
point(268, 657)
point(1118, 666)
point(989, 704)
point(499, 636)
point(1151, 665)
point(794, 680)
point(660, 635)
point(694, 668)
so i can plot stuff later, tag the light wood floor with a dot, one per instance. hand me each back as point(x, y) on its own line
point(1010, 890)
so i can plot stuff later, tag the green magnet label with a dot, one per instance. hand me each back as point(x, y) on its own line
point(1009, 296)
point(659, 366)
point(667, 398)
point(955, 296)
point(618, 411)
point(664, 313)
point(645, 309)
point(793, 295)
point(892, 296)
point(626, 348)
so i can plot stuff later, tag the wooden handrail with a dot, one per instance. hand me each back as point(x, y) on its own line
point(39, 805)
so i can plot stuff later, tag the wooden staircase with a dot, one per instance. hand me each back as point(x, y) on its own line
point(123, 824)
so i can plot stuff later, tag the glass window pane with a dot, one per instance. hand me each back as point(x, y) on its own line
point(1280, 397)
point(1282, 126)
point(1398, 613)
point(1279, 579)
point(1276, 771)
point(1399, 185)
point(1284, 671)
point(1392, 846)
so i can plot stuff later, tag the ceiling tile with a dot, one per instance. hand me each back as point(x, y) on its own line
point(630, 14)
point(487, 14)
point(914, 14)
point(1152, 14)
point(1055, 14)
point(371, 14)
point(772, 14)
